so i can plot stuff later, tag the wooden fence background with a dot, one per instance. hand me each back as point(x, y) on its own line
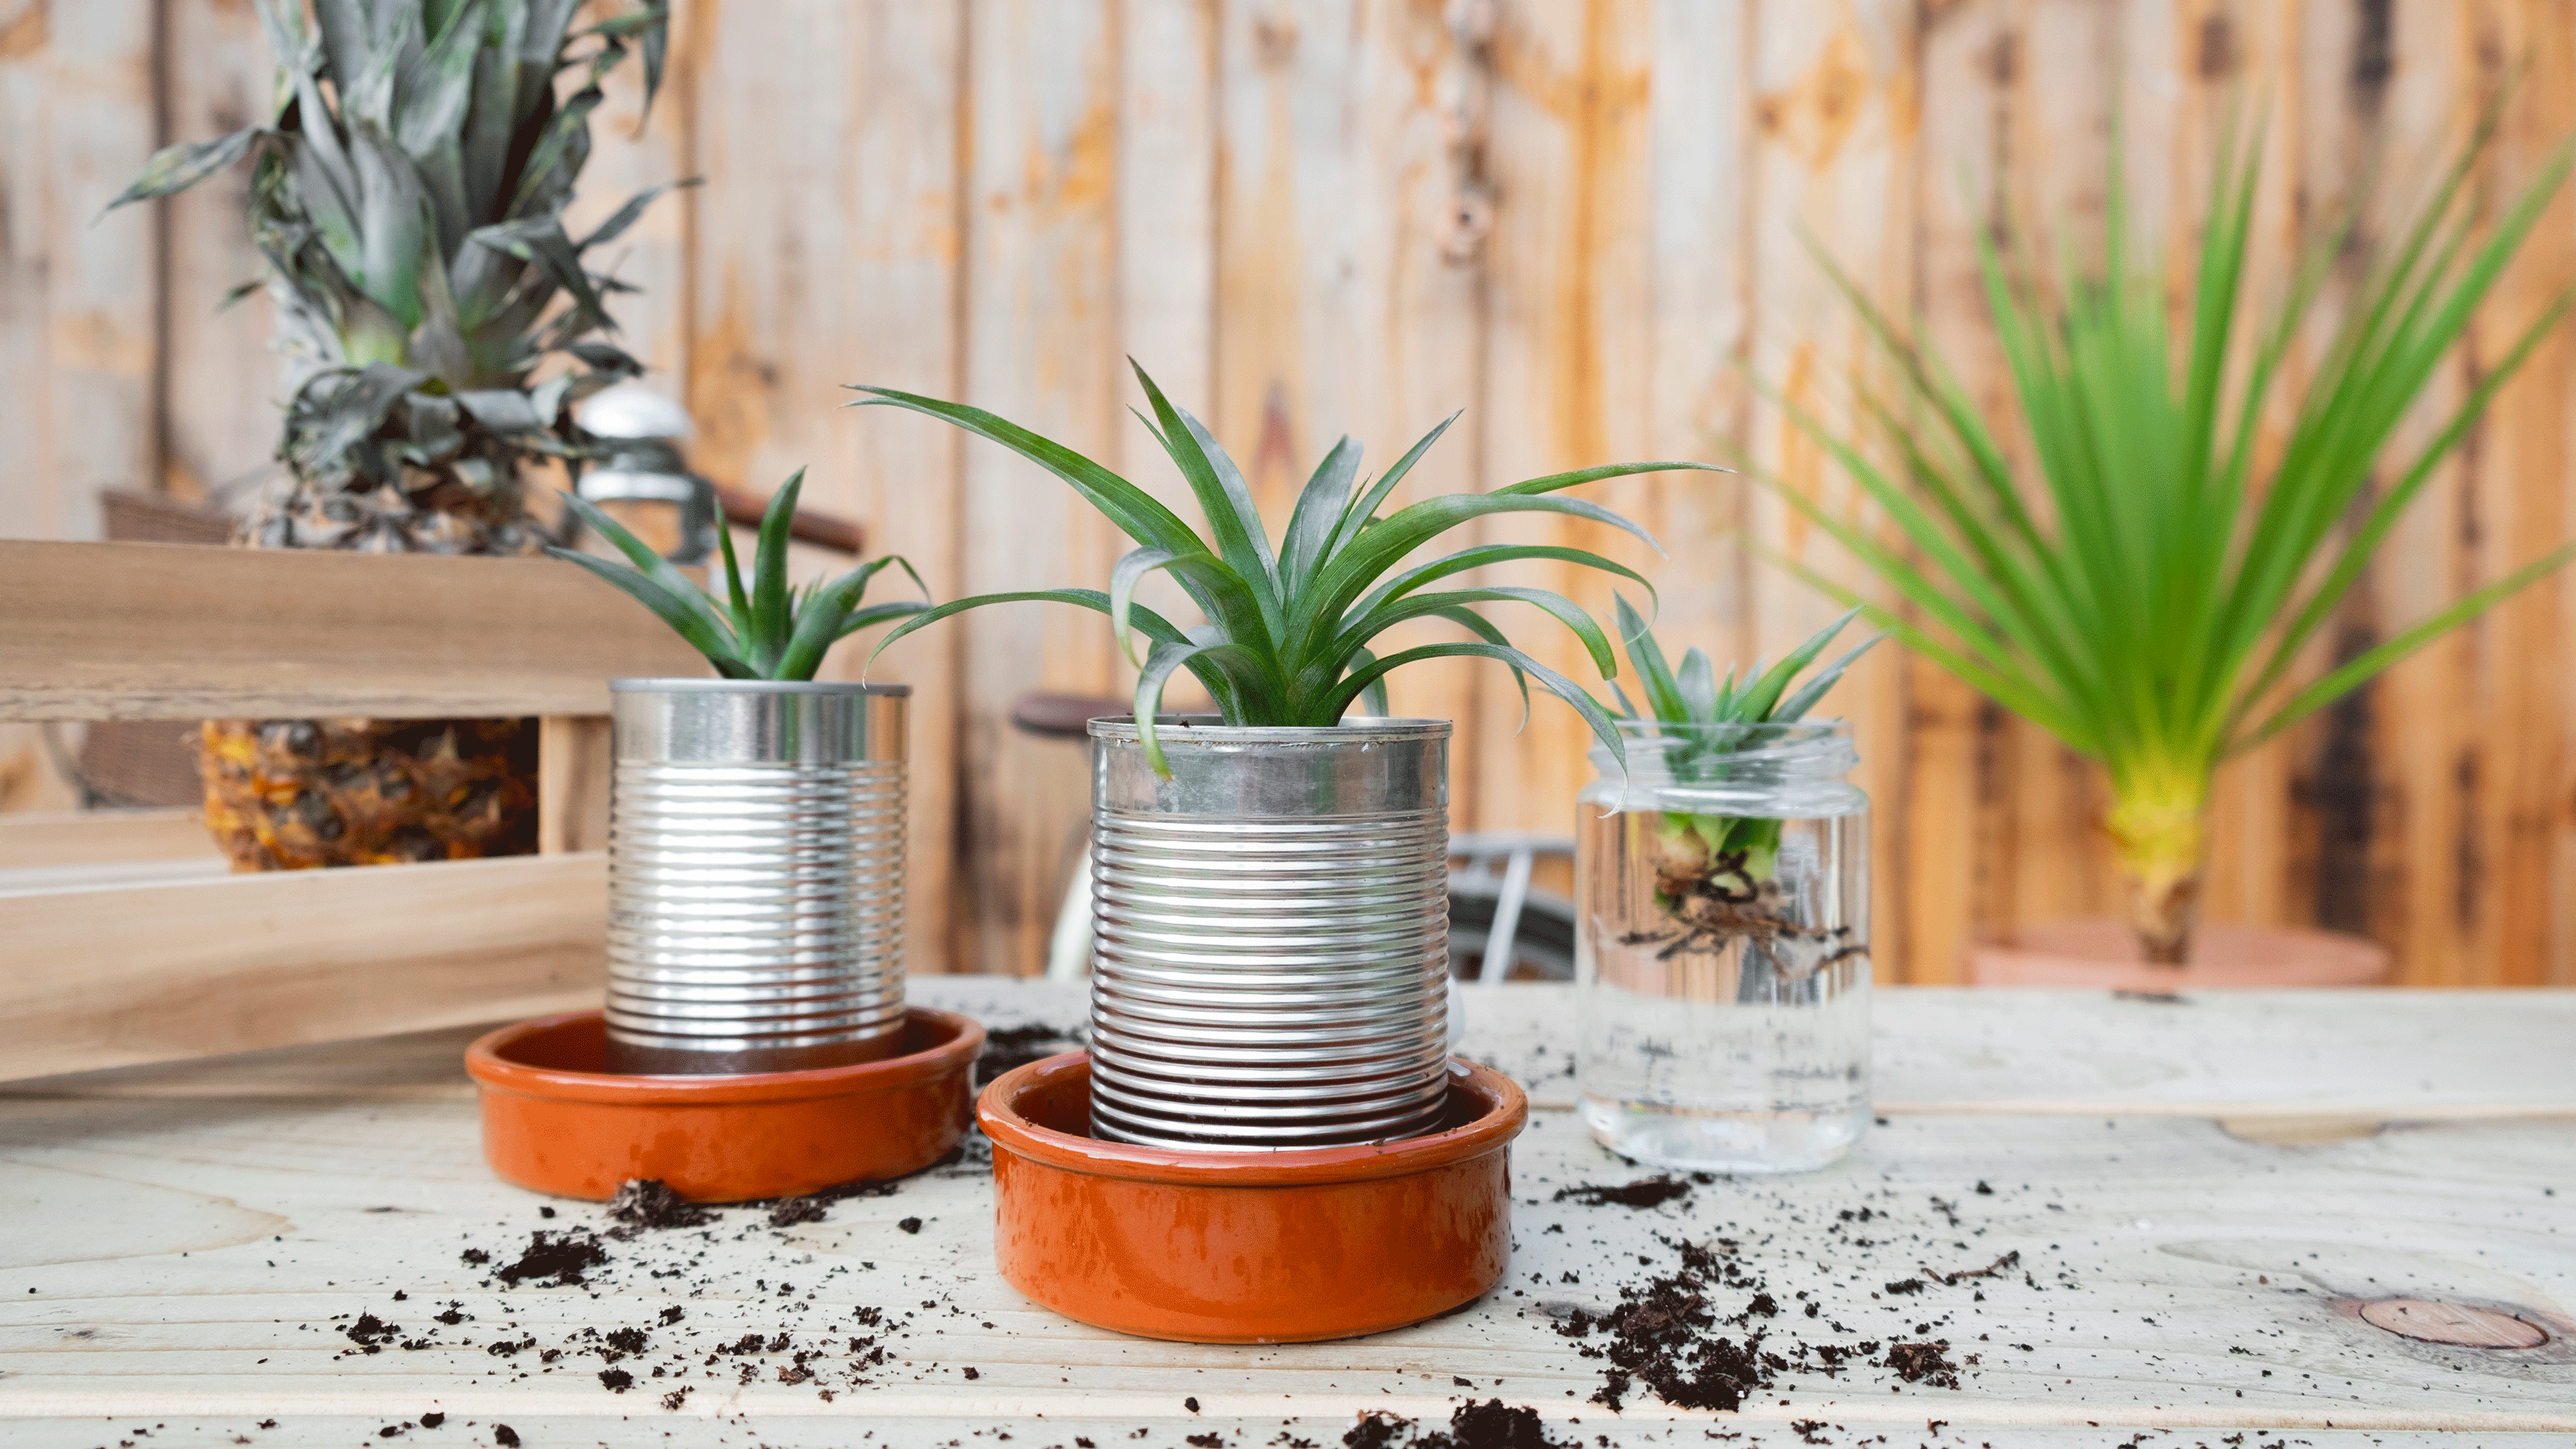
point(1575, 218)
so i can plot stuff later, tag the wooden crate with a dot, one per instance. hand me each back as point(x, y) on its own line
point(108, 976)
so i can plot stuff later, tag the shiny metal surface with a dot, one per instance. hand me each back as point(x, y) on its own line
point(632, 410)
point(1271, 959)
point(755, 875)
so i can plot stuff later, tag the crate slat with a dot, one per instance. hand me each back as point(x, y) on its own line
point(171, 632)
point(114, 977)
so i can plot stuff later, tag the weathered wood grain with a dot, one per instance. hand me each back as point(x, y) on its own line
point(80, 300)
point(171, 631)
point(1262, 200)
point(2291, 1055)
point(104, 978)
point(218, 378)
point(576, 757)
point(2176, 1277)
point(1569, 353)
point(825, 249)
point(96, 837)
point(1044, 346)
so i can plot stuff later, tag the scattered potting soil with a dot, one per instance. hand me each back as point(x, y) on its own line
point(1924, 1363)
point(1017, 1046)
point(1645, 1192)
point(649, 1202)
point(1994, 1269)
point(1662, 1333)
point(562, 1257)
point(1488, 1425)
point(1698, 1327)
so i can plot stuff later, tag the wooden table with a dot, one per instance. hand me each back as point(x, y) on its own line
point(2204, 1195)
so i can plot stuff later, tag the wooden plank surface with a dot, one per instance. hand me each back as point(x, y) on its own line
point(2334, 1055)
point(105, 977)
point(93, 837)
point(197, 1247)
point(78, 299)
point(171, 631)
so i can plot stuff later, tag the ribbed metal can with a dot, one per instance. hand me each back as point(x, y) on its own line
point(755, 875)
point(1271, 956)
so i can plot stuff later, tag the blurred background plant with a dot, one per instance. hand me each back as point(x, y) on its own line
point(2143, 589)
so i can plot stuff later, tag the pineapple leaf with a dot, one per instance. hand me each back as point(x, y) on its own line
point(1494, 553)
point(800, 625)
point(669, 607)
point(769, 605)
point(1368, 625)
point(1284, 645)
point(1319, 514)
point(1359, 513)
point(1122, 592)
point(176, 168)
point(1553, 682)
point(1205, 656)
point(1223, 496)
point(824, 615)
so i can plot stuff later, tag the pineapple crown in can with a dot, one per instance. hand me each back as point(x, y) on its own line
point(1363, 766)
point(758, 721)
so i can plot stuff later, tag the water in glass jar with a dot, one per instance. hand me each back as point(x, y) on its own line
point(1725, 995)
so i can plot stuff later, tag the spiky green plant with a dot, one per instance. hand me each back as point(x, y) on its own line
point(2140, 591)
point(1288, 630)
point(407, 196)
point(760, 629)
point(1708, 720)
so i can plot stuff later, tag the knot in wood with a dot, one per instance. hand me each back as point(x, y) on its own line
point(2454, 1323)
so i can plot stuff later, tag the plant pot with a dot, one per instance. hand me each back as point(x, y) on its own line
point(1256, 1246)
point(755, 875)
point(2104, 955)
point(1270, 933)
point(556, 1121)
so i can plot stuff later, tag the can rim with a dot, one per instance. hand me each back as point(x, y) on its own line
point(754, 686)
point(1208, 729)
point(1499, 1109)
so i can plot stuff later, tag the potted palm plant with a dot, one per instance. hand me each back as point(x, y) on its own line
point(2145, 588)
point(756, 1041)
point(407, 198)
point(1270, 913)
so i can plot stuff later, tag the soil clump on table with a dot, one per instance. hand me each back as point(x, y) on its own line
point(1645, 1192)
point(1489, 1425)
point(1013, 1047)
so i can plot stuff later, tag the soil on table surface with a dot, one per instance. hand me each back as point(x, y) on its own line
point(1683, 1313)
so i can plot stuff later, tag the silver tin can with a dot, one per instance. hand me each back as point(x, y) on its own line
point(755, 875)
point(1271, 962)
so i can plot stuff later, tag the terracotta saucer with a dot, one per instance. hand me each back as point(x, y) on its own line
point(1224, 1246)
point(555, 1122)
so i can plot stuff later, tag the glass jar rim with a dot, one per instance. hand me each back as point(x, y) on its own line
point(1798, 743)
point(1763, 732)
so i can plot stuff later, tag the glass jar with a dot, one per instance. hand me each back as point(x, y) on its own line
point(1722, 950)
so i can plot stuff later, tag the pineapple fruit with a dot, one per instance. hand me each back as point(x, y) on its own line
point(407, 198)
